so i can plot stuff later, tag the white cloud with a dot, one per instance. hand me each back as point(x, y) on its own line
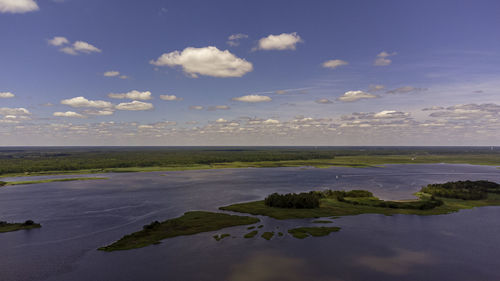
point(124, 77)
point(271, 122)
point(334, 63)
point(324, 101)
point(221, 120)
point(6, 95)
point(58, 41)
point(218, 107)
point(253, 98)
point(284, 41)
point(375, 88)
point(391, 114)
point(68, 114)
point(208, 61)
point(85, 47)
point(233, 40)
point(382, 58)
point(69, 51)
point(132, 95)
point(14, 111)
point(134, 106)
point(170, 98)
point(104, 112)
point(18, 6)
point(83, 102)
point(280, 92)
point(351, 96)
point(196, 107)
point(406, 89)
point(111, 73)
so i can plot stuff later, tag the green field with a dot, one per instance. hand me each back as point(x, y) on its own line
point(188, 224)
point(49, 161)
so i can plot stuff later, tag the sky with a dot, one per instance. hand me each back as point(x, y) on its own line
point(153, 72)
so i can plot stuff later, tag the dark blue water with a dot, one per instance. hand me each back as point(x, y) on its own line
point(78, 217)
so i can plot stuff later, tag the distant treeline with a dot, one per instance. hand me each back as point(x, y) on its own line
point(467, 190)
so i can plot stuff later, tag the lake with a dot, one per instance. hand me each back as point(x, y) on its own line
point(80, 216)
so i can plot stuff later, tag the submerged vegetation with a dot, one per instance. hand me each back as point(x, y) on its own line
point(187, 224)
point(221, 236)
point(81, 160)
point(267, 235)
point(304, 232)
point(8, 227)
point(251, 234)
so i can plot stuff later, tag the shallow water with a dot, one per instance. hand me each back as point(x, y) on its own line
point(80, 216)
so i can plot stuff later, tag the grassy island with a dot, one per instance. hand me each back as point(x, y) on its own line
point(304, 232)
point(8, 227)
point(355, 202)
point(3, 183)
point(187, 224)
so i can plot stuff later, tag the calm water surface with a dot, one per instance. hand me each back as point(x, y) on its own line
point(78, 217)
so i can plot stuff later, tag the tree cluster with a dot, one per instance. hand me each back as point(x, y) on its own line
point(466, 190)
point(303, 200)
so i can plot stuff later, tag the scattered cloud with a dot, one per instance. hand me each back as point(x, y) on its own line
point(111, 73)
point(71, 114)
point(382, 58)
point(283, 41)
point(83, 102)
point(391, 114)
point(18, 6)
point(324, 101)
point(433, 108)
point(196, 107)
point(85, 47)
point(6, 95)
point(134, 106)
point(280, 92)
point(351, 96)
point(253, 98)
point(170, 98)
point(406, 89)
point(132, 95)
point(14, 111)
point(58, 41)
point(334, 63)
point(270, 122)
point(376, 88)
point(234, 39)
point(104, 112)
point(218, 107)
point(208, 61)
point(221, 120)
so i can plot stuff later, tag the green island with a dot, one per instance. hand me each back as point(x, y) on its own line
point(8, 227)
point(3, 183)
point(304, 232)
point(79, 160)
point(188, 224)
point(355, 202)
point(433, 199)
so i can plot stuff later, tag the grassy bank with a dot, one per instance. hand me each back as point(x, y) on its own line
point(8, 227)
point(304, 232)
point(332, 207)
point(187, 224)
point(49, 180)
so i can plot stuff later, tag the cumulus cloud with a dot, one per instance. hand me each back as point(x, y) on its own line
point(351, 96)
point(324, 101)
point(76, 48)
point(104, 112)
point(14, 111)
point(218, 107)
point(234, 39)
point(111, 73)
point(382, 58)
point(83, 102)
point(71, 114)
point(58, 41)
point(334, 63)
point(134, 106)
point(221, 120)
point(196, 107)
point(18, 6)
point(253, 98)
point(6, 95)
point(132, 95)
point(170, 98)
point(469, 111)
point(283, 41)
point(406, 89)
point(208, 61)
point(433, 108)
point(270, 122)
point(391, 114)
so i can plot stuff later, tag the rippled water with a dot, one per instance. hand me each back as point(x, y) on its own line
point(78, 217)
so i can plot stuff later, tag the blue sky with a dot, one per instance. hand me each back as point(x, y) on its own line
point(91, 72)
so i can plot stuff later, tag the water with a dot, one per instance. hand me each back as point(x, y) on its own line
point(80, 216)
